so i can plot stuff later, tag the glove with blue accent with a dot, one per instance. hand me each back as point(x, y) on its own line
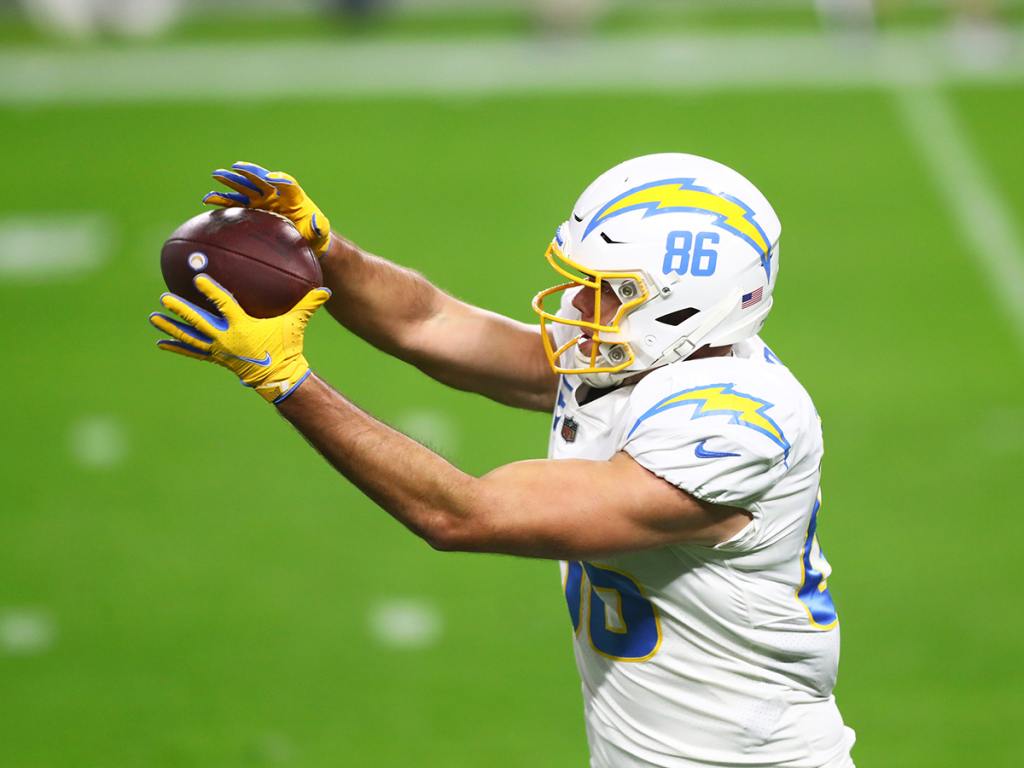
point(265, 353)
point(276, 191)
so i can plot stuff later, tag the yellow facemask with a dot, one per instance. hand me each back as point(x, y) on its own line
point(631, 292)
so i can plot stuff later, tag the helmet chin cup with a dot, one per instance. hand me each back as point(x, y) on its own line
point(602, 380)
point(609, 355)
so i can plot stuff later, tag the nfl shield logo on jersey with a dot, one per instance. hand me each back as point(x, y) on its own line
point(569, 427)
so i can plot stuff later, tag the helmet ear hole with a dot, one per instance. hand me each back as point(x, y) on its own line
point(678, 317)
point(616, 354)
point(628, 291)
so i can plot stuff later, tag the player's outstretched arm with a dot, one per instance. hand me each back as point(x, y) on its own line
point(555, 509)
point(466, 347)
point(567, 509)
point(399, 311)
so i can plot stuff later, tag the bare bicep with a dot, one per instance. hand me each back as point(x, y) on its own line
point(581, 509)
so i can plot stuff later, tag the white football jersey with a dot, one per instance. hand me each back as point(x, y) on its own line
point(710, 655)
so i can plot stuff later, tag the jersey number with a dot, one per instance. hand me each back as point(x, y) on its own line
point(813, 591)
point(678, 257)
point(623, 624)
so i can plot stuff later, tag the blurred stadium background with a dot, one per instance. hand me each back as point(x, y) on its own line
point(185, 584)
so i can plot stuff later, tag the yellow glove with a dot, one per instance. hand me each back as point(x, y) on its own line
point(266, 354)
point(256, 187)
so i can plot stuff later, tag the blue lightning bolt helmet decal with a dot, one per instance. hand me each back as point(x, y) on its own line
point(723, 400)
point(684, 195)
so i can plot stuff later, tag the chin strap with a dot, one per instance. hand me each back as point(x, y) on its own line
point(710, 319)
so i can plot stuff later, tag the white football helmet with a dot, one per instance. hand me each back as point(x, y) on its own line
point(690, 248)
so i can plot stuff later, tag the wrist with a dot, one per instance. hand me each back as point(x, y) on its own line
point(303, 396)
point(340, 249)
point(279, 386)
point(293, 388)
point(321, 246)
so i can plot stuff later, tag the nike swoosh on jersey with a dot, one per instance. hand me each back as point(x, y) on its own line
point(263, 362)
point(702, 453)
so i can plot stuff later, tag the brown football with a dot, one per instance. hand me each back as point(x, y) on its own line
point(259, 256)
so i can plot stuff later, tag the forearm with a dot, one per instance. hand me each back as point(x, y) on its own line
point(378, 300)
point(415, 485)
point(466, 347)
point(566, 509)
point(501, 512)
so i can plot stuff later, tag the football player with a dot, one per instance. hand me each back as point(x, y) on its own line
point(704, 629)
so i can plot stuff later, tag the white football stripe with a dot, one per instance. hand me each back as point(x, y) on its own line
point(97, 442)
point(25, 631)
point(963, 182)
point(41, 248)
point(405, 623)
point(712, 61)
point(434, 429)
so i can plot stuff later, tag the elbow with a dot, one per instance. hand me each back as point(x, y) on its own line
point(464, 520)
point(450, 536)
point(442, 541)
point(446, 532)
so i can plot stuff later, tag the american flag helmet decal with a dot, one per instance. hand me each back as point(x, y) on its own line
point(750, 299)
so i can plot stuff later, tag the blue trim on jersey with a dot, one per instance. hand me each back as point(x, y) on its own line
point(574, 591)
point(771, 357)
point(560, 404)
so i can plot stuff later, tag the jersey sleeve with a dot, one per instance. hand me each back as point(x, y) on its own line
point(720, 457)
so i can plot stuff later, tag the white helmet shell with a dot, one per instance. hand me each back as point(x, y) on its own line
point(701, 239)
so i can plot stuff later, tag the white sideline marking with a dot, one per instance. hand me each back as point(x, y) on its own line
point(405, 623)
point(997, 433)
point(433, 429)
point(273, 749)
point(97, 442)
point(345, 68)
point(24, 632)
point(39, 248)
point(985, 221)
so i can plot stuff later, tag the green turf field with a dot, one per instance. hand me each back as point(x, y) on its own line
point(206, 591)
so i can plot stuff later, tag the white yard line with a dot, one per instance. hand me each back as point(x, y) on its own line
point(434, 429)
point(98, 442)
point(347, 68)
point(406, 623)
point(971, 197)
point(26, 631)
point(36, 248)
point(203, 7)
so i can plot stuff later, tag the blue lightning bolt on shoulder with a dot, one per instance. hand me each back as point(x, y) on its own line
point(723, 400)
